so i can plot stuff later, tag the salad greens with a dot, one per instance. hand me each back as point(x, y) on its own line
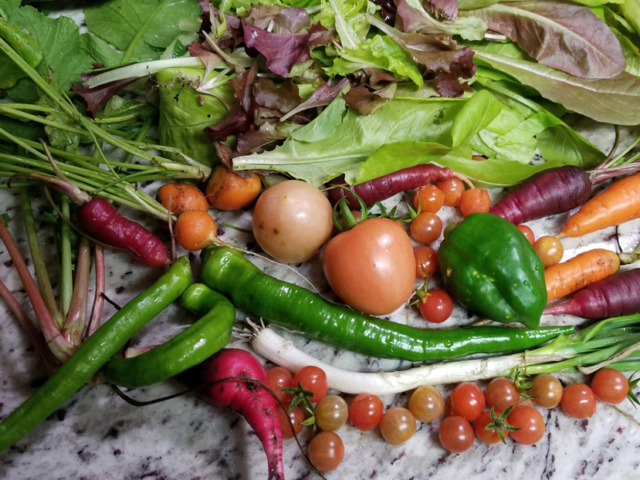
point(317, 89)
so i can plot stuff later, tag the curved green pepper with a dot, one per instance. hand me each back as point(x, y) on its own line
point(187, 349)
point(491, 268)
point(95, 352)
point(298, 309)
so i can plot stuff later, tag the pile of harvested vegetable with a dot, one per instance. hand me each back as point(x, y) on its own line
point(402, 163)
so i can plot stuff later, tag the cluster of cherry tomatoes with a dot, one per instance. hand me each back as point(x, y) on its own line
point(492, 415)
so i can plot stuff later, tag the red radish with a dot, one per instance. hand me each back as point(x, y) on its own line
point(245, 397)
point(547, 193)
point(389, 185)
point(611, 297)
point(102, 221)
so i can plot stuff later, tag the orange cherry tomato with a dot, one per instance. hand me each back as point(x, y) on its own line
point(550, 250)
point(453, 188)
point(428, 198)
point(475, 200)
point(426, 262)
point(426, 228)
point(528, 233)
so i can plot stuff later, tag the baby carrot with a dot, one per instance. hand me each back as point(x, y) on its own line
point(618, 204)
point(587, 268)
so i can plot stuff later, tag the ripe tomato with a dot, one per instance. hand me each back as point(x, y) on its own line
point(456, 434)
point(487, 436)
point(326, 451)
point(278, 379)
point(292, 220)
point(426, 404)
point(331, 413)
point(550, 251)
point(528, 233)
point(297, 417)
point(426, 262)
point(578, 401)
point(475, 200)
point(453, 188)
point(426, 228)
point(365, 411)
point(501, 394)
point(428, 198)
point(313, 379)
point(371, 267)
point(531, 425)
point(610, 386)
point(467, 401)
point(436, 306)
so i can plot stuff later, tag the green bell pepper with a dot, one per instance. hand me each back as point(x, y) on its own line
point(492, 269)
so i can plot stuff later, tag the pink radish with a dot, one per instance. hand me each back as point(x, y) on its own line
point(389, 185)
point(547, 193)
point(614, 296)
point(102, 221)
point(248, 398)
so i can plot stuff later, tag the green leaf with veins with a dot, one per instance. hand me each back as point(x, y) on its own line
point(29, 130)
point(324, 125)
point(59, 39)
point(100, 51)
point(62, 139)
point(379, 52)
point(24, 91)
point(143, 29)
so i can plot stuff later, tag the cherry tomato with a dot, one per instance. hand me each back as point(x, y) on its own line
point(474, 200)
point(456, 434)
point(371, 267)
point(426, 404)
point(546, 391)
point(428, 198)
point(610, 386)
point(436, 306)
point(398, 425)
point(487, 436)
point(365, 411)
point(467, 401)
point(447, 408)
point(326, 451)
point(501, 394)
point(426, 228)
point(331, 413)
point(550, 251)
point(528, 233)
point(453, 188)
point(278, 379)
point(578, 401)
point(426, 262)
point(297, 417)
point(229, 191)
point(292, 220)
point(195, 230)
point(531, 425)
point(313, 379)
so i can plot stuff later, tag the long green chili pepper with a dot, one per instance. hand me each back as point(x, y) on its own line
point(296, 308)
point(95, 352)
point(187, 349)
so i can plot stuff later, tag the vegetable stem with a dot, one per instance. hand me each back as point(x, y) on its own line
point(37, 259)
point(66, 280)
point(77, 317)
point(98, 299)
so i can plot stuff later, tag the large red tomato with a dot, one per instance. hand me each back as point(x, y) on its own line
point(371, 267)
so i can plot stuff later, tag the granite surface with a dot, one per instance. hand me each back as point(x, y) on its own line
point(96, 435)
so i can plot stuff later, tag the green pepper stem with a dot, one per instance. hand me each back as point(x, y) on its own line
point(37, 259)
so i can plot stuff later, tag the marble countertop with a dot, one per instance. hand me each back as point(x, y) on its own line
point(96, 435)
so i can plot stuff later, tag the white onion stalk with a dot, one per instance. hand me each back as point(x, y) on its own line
point(606, 340)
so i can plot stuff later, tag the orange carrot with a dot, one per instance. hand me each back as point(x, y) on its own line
point(588, 267)
point(618, 204)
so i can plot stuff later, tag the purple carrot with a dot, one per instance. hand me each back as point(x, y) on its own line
point(389, 185)
point(547, 193)
point(614, 296)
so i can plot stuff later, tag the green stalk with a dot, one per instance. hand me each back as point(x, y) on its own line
point(140, 135)
point(66, 267)
point(123, 118)
point(34, 118)
point(121, 111)
point(44, 285)
point(31, 107)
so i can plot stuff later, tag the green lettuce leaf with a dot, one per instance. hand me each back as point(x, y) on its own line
point(143, 29)
point(615, 100)
point(325, 124)
point(379, 52)
point(182, 115)
point(100, 50)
